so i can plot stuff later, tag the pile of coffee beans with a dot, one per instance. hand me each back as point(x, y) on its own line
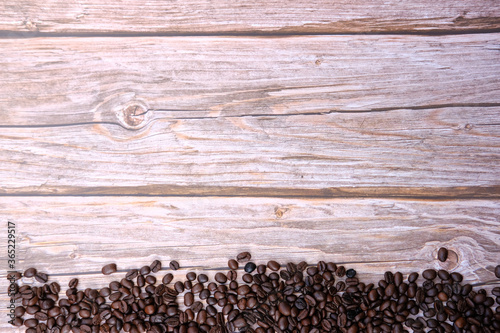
point(271, 297)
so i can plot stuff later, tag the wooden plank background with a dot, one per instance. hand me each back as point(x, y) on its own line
point(362, 133)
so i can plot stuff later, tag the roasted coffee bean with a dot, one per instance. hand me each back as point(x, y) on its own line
point(41, 277)
point(73, 283)
point(429, 274)
point(497, 271)
point(442, 254)
point(232, 275)
point(220, 277)
point(350, 273)
point(155, 266)
point(131, 274)
point(273, 265)
point(202, 278)
point(232, 264)
point(174, 265)
point(243, 257)
point(167, 278)
point(30, 272)
point(109, 269)
point(250, 267)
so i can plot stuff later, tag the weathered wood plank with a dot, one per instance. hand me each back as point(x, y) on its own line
point(270, 116)
point(449, 152)
point(65, 235)
point(77, 236)
point(62, 81)
point(224, 16)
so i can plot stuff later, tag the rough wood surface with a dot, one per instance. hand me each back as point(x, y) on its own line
point(65, 236)
point(225, 16)
point(449, 152)
point(328, 116)
point(70, 237)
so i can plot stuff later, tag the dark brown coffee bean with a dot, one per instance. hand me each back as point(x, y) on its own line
point(340, 271)
point(232, 275)
point(442, 254)
point(109, 269)
point(429, 274)
point(131, 274)
point(232, 264)
point(497, 271)
point(41, 277)
point(30, 272)
point(73, 283)
point(174, 265)
point(243, 257)
point(167, 278)
point(220, 277)
point(31, 322)
point(155, 266)
point(202, 278)
point(273, 265)
point(457, 277)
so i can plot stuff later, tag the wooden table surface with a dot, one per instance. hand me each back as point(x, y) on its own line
point(364, 133)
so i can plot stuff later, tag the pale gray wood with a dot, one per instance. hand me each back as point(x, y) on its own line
point(226, 16)
point(403, 116)
point(68, 237)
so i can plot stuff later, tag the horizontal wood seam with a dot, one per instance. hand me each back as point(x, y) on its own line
point(9, 34)
point(414, 193)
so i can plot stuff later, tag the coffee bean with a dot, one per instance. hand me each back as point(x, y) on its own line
point(220, 277)
point(442, 254)
point(273, 265)
point(412, 277)
point(174, 265)
point(155, 266)
point(429, 274)
point(250, 267)
point(350, 273)
point(108, 269)
point(41, 277)
point(73, 283)
point(167, 278)
point(497, 271)
point(30, 272)
point(202, 278)
point(243, 257)
point(232, 264)
point(457, 277)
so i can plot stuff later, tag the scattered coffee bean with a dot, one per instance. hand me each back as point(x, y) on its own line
point(497, 271)
point(41, 277)
point(109, 269)
point(350, 273)
point(250, 267)
point(174, 265)
point(155, 266)
point(30, 272)
point(243, 257)
point(232, 264)
point(273, 265)
point(442, 254)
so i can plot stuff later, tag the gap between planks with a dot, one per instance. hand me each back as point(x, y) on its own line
point(9, 34)
point(419, 193)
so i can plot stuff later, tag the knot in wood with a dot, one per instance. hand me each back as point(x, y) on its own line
point(133, 116)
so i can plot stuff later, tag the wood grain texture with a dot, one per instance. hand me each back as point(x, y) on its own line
point(224, 16)
point(62, 81)
point(449, 152)
point(255, 116)
point(69, 237)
